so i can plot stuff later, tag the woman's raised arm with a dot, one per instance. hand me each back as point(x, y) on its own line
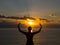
point(20, 29)
point(38, 30)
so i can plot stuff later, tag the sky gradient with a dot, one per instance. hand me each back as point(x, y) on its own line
point(49, 9)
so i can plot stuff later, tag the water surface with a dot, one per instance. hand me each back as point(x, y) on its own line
point(11, 36)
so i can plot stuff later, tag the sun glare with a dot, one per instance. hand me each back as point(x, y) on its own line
point(31, 31)
point(30, 23)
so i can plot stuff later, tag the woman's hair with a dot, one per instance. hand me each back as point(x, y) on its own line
point(29, 28)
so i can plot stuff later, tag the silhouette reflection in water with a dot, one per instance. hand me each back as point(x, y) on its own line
point(29, 34)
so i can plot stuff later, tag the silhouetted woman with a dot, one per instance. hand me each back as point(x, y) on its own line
point(29, 34)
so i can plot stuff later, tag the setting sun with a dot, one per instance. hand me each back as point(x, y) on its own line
point(30, 23)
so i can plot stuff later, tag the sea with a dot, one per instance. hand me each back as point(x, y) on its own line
point(11, 36)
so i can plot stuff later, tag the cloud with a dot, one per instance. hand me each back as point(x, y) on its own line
point(52, 15)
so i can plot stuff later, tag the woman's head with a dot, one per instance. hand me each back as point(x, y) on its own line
point(29, 28)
